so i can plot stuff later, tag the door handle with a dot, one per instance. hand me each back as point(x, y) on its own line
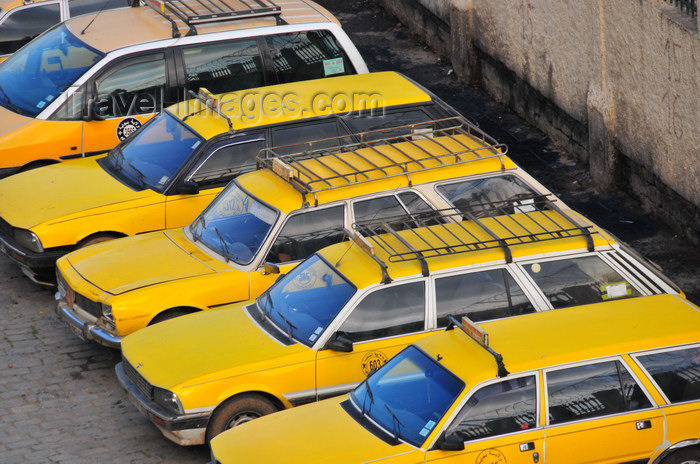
point(527, 447)
point(643, 425)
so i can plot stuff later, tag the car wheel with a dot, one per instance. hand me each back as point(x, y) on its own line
point(683, 456)
point(236, 411)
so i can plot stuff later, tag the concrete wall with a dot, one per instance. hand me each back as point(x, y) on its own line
point(616, 83)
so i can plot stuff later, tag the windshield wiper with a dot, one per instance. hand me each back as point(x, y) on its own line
point(9, 103)
point(369, 395)
point(397, 422)
point(290, 326)
point(223, 244)
point(118, 163)
point(141, 177)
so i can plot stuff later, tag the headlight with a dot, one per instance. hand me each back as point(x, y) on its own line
point(28, 239)
point(168, 400)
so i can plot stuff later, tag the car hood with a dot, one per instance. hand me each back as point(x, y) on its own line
point(126, 264)
point(312, 434)
point(61, 192)
point(205, 347)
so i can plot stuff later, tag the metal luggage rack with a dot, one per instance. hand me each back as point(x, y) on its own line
point(193, 12)
point(446, 232)
point(309, 170)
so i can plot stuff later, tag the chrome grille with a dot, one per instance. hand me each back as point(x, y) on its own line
point(89, 306)
point(142, 385)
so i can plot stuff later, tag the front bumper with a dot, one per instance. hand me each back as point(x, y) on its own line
point(37, 266)
point(83, 328)
point(188, 429)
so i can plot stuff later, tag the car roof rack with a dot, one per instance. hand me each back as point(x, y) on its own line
point(480, 336)
point(452, 231)
point(194, 12)
point(380, 154)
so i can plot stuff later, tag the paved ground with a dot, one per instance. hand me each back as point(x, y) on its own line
point(59, 399)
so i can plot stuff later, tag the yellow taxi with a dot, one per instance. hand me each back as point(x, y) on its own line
point(281, 214)
point(174, 165)
point(88, 83)
point(616, 382)
point(340, 314)
point(22, 20)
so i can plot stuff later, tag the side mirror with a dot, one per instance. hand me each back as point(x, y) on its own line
point(340, 343)
point(271, 268)
point(450, 443)
point(188, 188)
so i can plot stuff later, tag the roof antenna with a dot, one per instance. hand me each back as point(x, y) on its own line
point(98, 13)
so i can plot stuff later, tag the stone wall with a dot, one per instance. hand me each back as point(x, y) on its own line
point(616, 83)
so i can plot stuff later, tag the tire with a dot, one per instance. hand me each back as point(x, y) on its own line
point(690, 455)
point(169, 314)
point(236, 411)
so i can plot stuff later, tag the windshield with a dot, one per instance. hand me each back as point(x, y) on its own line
point(306, 300)
point(41, 71)
point(154, 154)
point(235, 224)
point(408, 395)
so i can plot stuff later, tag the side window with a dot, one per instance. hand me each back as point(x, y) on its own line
point(677, 373)
point(496, 409)
point(299, 56)
point(224, 66)
point(371, 121)
point(481, 196)
point(480, 296)
point(227, 160)
point(578, 281)
point(593, 390)
point(81, 7)
point(132, 89)
point(387, 312)
point(391, 206)
point(300, 133)
point(22, 25)
point(306, 233)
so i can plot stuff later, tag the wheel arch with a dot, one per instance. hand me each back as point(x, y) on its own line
point(689, 443)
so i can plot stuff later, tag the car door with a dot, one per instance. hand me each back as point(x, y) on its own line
point(219, 163)
point(498, 424)
point(122, 97)
point(597, 412)
point(380, 325)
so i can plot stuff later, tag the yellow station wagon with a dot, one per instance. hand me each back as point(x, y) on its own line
point(326, 324)
point(112, 289)
point(89, 82)
point(611, 383)
point(172, 167)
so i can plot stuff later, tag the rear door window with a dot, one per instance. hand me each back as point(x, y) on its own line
point(224, 66)
point(299, 56)
point(480, 296)
point(579, 281)
point(676, 373)
point(593, 390)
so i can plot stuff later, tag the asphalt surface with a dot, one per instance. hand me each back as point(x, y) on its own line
point(59, 398)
